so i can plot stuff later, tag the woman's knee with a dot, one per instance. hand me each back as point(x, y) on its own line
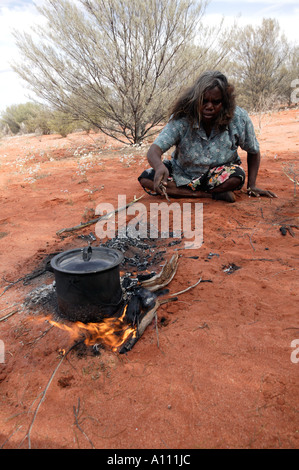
point(146, 183)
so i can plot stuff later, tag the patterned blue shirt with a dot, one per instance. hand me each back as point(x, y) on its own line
point(195, 153)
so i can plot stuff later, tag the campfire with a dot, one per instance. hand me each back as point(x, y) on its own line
point(143, 291)
point(112, 332)
point(121, 332)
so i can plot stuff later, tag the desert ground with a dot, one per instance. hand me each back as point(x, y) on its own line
point(216, 369)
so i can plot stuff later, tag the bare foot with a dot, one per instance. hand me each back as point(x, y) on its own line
point(227, 196)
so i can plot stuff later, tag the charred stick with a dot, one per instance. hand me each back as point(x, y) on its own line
point(149, 316)
point(146, 320)
point(11, 285)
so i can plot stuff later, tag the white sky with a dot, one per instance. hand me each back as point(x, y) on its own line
point(20, 14)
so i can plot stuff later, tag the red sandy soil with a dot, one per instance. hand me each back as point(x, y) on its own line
point(221, 373)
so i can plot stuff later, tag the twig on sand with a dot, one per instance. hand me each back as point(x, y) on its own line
point(188, 288)
point(157, 331)
point(94, 221)
point(250, 236)
point(5, 442)
point(11, 285)
point(76, 415)
point(9, 315)
point(40, 336)
point(43, 394)
point(8, 307)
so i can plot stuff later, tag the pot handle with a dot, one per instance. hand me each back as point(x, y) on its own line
point(87, 252)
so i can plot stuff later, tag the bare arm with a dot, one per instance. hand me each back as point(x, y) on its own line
point(253, 164)
point(154, 157)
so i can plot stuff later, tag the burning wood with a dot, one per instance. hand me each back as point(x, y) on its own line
point(141, 301)
point(120, 333)
point(111, 332)
point(145, 322)
point(153, 284)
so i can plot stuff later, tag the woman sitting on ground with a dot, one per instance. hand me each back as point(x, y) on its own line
point(206, 128)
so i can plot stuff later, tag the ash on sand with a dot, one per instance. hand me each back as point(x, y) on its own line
point(42, 300)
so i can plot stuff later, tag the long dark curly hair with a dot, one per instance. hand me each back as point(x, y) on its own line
point(188, 103)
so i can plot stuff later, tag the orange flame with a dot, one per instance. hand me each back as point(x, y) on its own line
point(112, 332)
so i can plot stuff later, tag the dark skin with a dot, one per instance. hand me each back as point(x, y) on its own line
point(209, 111)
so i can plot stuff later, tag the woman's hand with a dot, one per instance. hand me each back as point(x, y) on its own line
point(253, 162)
point(154, 157)
point(257, 192)
point(161, 175)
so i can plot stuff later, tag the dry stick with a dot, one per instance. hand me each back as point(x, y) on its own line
point(294, 180)
point(11, 285)
point(9, 306)
point(16, 430)
point(27, 277)
point(163, 189)
point(8, 315)
point(165, 301)
point(157, 332)
point(188, 288)
point(40, 336)
point(249, 236)
point(76, 415)
point(43, 395)
point(94, 221)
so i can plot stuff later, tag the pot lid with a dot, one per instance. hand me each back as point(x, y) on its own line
point(86, 260)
